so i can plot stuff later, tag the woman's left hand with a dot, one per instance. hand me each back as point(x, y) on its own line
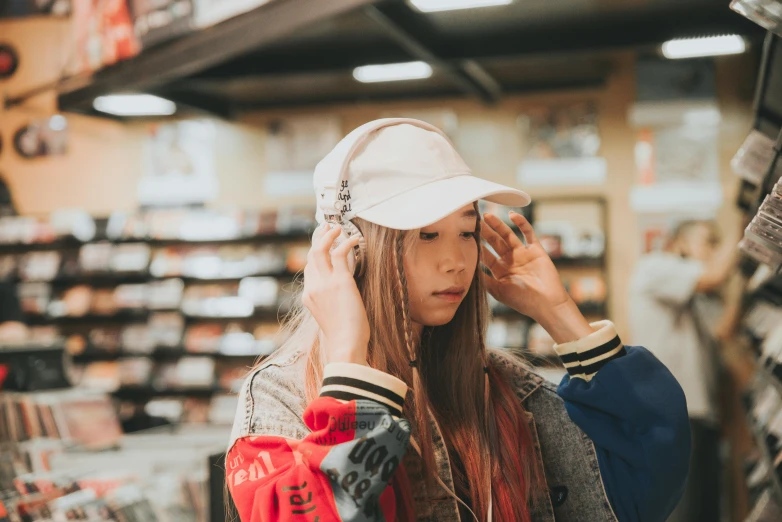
point(525, 279)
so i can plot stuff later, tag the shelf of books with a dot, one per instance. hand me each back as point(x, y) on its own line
point(763, 397)
point(64, 456)
point(138, 295)
point(170, 305)
point(758, 164)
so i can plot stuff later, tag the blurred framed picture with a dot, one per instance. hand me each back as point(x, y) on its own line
point(294, 146)
point(561, 146)
point(44, 137)
point(179, 166)
point(298, 144)
point(567, 131)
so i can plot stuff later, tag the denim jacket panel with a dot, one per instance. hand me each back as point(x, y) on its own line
point(272, 402)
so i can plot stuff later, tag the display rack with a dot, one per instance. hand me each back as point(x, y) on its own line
point(263, 258)
point(56, 443)
point(198, 50)
point(157, 476)
point(71, 243)
point(769, 379)
point(774, 480)
point(762, 298)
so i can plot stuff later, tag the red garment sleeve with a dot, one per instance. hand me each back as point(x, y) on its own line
point(342, 469)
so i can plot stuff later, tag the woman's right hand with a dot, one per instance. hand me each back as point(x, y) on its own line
point(332, 296)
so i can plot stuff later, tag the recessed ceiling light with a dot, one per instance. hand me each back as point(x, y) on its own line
point(134, 105)
point(392, 72)
point(433, 6)
point(706, 46)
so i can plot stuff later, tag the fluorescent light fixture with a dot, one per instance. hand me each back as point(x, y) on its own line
point(134, 105)
point(433, 6)
point(706, 46)
point(392, 72)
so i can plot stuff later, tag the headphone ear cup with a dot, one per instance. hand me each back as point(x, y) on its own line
point(344, 236)
point(357, 257)
point(361, 253)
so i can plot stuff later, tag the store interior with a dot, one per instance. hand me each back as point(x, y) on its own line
point(156, 206)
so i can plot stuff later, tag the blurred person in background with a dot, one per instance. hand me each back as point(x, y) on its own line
point(675, 309)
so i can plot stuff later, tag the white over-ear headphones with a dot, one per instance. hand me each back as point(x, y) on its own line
point(357, 256)
point(334, 199)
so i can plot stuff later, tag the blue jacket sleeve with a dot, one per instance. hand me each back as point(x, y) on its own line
point(635, 413)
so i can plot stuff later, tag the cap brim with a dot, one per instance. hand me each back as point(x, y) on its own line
point(427, 204)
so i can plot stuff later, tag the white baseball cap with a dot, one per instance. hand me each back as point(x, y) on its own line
point(403, 174)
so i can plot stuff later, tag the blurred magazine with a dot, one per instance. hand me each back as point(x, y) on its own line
point(79, 418)
point(102, 33)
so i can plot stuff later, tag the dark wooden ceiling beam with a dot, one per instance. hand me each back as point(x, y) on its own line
point(334, 56)
point(199, 101)
point(605, 32)
point(398, 21)
point(203, 49)
point(326, 100)
point(588, 34)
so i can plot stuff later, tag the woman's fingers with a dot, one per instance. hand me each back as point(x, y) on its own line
point(525, 227)
point(339, 256)
point(494, 239)
point(319, 231)
point(490, 261)
point(319, 253)
point(503, 231)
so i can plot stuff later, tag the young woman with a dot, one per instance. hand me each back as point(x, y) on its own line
point(326, 429)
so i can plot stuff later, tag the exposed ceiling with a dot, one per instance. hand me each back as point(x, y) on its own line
point(302, 52)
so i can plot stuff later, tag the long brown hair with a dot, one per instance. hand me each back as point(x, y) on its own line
point(487, 446)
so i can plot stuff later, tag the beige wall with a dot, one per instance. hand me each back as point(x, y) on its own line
point(104, 160)
point(103, 164)
point(98, 173)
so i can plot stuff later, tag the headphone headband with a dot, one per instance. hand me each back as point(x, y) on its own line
point(329, 203)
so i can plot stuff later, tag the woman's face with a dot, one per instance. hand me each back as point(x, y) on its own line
point(440, 267)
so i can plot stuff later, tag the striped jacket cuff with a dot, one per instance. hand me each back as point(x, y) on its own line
point(347, 382)
point(584, 357)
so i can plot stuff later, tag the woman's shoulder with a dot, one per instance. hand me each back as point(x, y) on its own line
point(272, 399)
point(521, 376)
point(282, 360)
point(280, 375)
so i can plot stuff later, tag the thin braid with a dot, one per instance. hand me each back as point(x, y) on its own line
point(480, 319)
point(489, 425)
point(403, 297)
point(420, 403)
